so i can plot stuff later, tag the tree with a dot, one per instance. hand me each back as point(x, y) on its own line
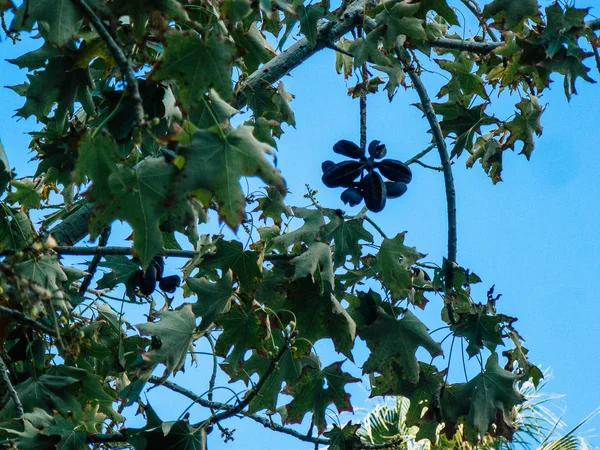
point(136, 101)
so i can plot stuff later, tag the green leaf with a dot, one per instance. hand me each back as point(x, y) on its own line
point(346, 235)
point(344, 438)
point(215, 161)
point(315, 260)
point(59, 83)
point(213, 298)
point(231, 255)
point(70, 437)
point(197, 64)
point(489, 153)
point(315, 390)
point(569, 63)
point(58, 20)
point(16, 229)
point(308, 17)
point(480, 329)
point(27, 194)
point(308, 232)
point(463, 81)
point(393, 343)
point(35, 59)
point(121, 271)
point(242, 331)
point(319, 315)
point(46, 271)
point(48, 392)
point(492, 394)
point(512, 13)
point(174, 332)
point(464, 123)
point(525, 124)
point(367, 49)
point(394, 261)
point(398, 20)
point(442, 8)
point(272, 205)
point(30, 438)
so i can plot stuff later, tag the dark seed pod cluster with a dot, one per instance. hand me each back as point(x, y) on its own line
point(370, 187)
point(146, 281)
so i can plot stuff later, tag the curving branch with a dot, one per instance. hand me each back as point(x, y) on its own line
point(11, 390)
point(85, 283)
point(23, 318)
point(448, 179)
point(119, 56)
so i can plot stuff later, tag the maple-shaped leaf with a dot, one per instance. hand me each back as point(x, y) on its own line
point(27, 194)
point(231, 255)
point(394, 261)
point(288, 369)
point(568, 62)
point(166, 435)
point(463, 82)
point(173, 335)
point(308, 16)
point(488, 151)
point(319, 315)
point(213, 298)
point(30, 436)
point(367, 49)
point(58, 20)
point(518, 354)
point(35, 59)
point(216, 160)
point(563, 27)
point(393, 343)
point(49, 392)
point(257, 49)
point(308, 232)
point(396, 77)
point(398, 20)
point(441, 7)
point(58, 83)
point(197, 64)
point(344, 438)
point(480, 329)
point(272, 205)
point(511, 13)
point(47, 272)
point(525, 124)
point(71, 438)
point(462, 122)
point(242, 331)
point(121, 271)
point(316, 260)
point(345, 235)
point(143, 10)
point(315, 390)
point(492, 396)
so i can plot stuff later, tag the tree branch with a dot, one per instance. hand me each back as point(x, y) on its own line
point(474, 8)
point(448, 180)
point(119, 56)
point(23, 318)
point(419, 155)
point(11, 390)
point(253, 392)
point(85, 283)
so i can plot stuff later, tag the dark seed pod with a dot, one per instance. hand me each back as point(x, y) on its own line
point(394, 170)
point(374, 191)
point(377, 150)
point(169, 284)
point(395, 189)
point(349, 149)
point(342, 174)
point(352, 196)
point(326, 165)
point(148, 283)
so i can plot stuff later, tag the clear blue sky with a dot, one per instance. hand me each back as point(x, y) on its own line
point(535, 236)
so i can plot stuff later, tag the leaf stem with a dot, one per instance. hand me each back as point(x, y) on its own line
point(11, 390)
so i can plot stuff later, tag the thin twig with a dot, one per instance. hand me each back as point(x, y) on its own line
point(474, 8)
point(23, 318)
point(427, 166)
point(338, 49)
point(379, 230)
point(448, 181)
point(363, 107)
point(11, 390)
point(120, 58)
point(85, 283)
point(253, 392)
point(419, 155)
